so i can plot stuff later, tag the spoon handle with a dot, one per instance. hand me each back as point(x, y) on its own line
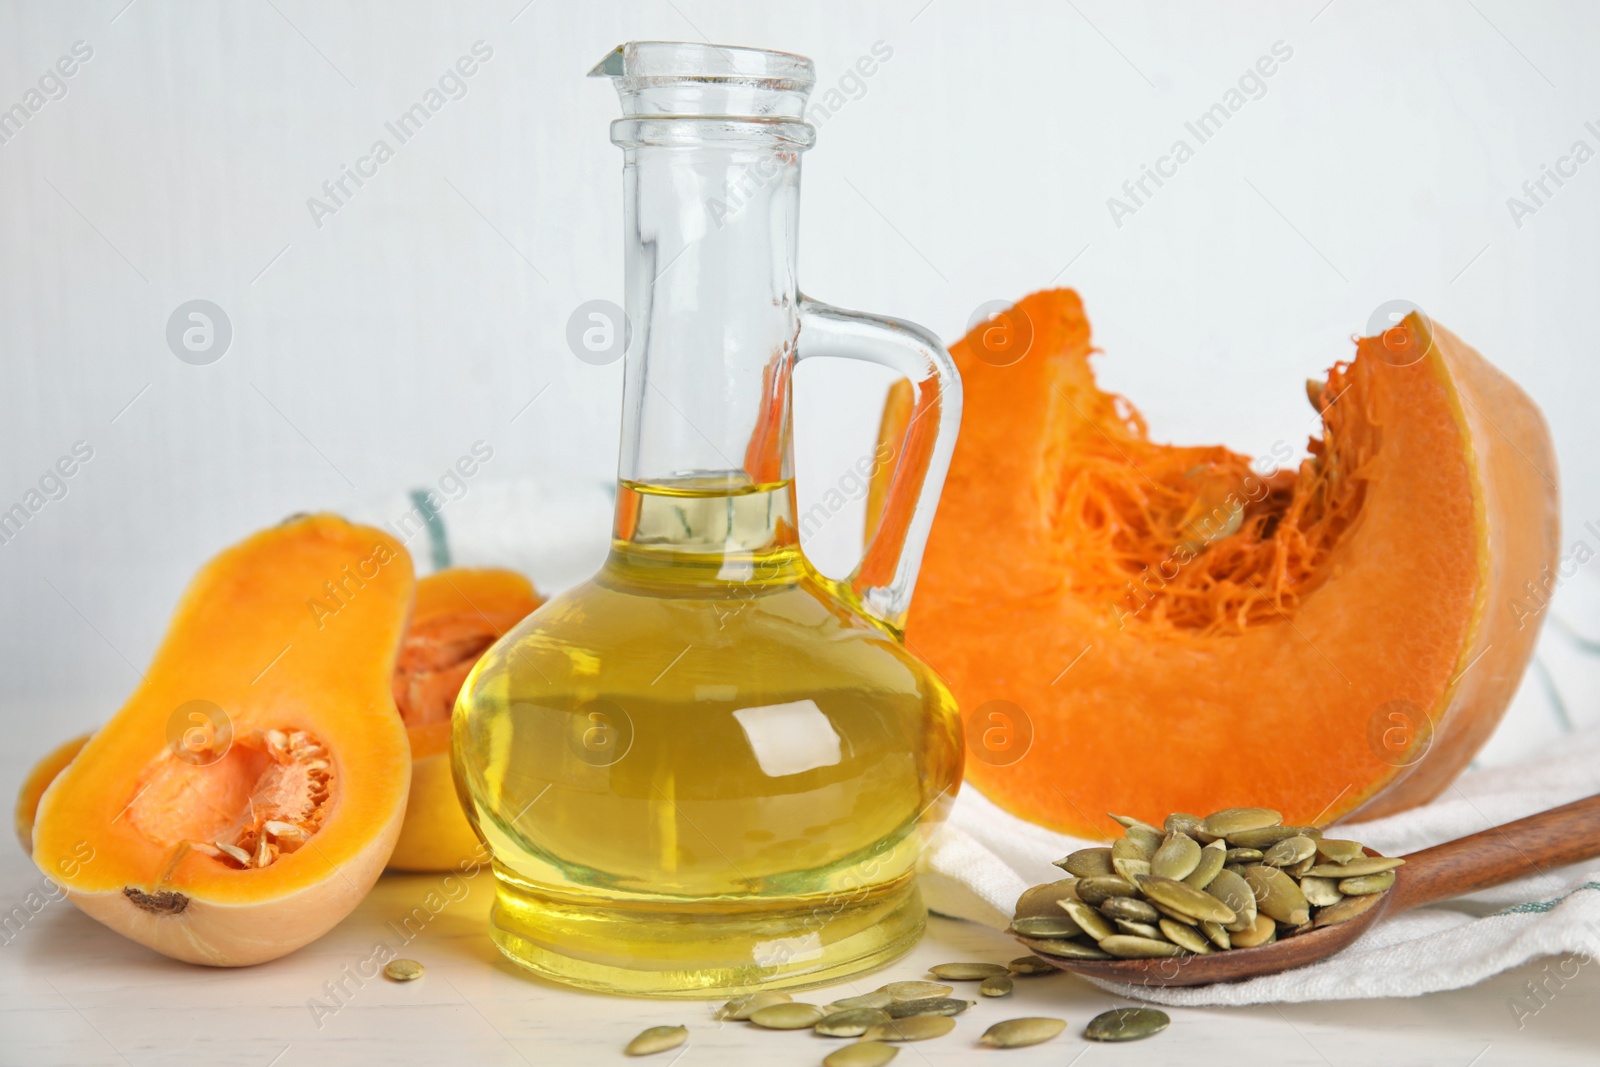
point(1549, 839)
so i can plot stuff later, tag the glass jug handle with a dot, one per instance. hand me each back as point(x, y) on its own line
point(883, 581)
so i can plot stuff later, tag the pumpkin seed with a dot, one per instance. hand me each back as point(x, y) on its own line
point(1345, 910)
point(1041, 899)
point(1181, 822)
point(1128, 822)
point(1126, 1024)
point(1185, 937)
point(1290, 851)
point(1177, 857)
point(1020, 1033)
point(905, 1009)
point(998, 986)
point(916, 990)
point(861, 1054)
point(1363, 884)
point(911, 1028)
point(1090, 921)
point(1087, 862)
point(1230, 821)
point(1131, 870)
point(1263, 931)
point(1277, 895)
point(1244, 856)
point(1140, 929)
point(852, 1022)
point(1356, 868)
point(1177, 916)
point(1265, 837)
point(1128, 947)
point(1230, 888)
point(1335, 850)
point(1303, 928)
point(1217, 934)
point(1320, 892)
point(876, 999)
point(1212, 858)
point(1028, 966)
point(967, 972)
point(1298, 871)
point(1196, 903)
point(790, 1016)
point(1146, 838)
point(740, 1008)
point(1126, 848)
point(657, 1039)
point(1069, 950)
point(1045, 926)
point(1130, 908)
point(1101, 888)
point(402, 970)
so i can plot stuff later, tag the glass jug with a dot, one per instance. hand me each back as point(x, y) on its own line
point(710, 768)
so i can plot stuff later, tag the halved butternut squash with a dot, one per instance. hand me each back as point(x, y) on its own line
point(1185, 633)
point(460, 612)
point(248, 794)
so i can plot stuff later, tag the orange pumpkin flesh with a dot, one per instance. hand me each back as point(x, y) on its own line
point(459, 614)
point(44, 772)
point(290, 637)
point(1186, 635)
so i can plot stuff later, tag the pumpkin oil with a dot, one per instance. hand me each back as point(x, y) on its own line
point(702, 770)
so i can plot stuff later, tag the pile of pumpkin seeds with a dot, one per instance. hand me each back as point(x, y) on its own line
point(910, 1011)
point(1237, 878)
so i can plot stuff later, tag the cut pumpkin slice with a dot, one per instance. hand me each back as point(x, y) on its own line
point(1146, 628)
point(248, 794)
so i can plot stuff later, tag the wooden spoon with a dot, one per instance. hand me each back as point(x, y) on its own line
point(1551, 838)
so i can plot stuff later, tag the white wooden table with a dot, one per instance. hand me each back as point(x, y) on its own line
point(72, 992)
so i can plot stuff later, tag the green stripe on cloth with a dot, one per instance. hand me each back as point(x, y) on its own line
point(1540, 906)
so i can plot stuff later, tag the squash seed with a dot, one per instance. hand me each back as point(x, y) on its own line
point(1185, 937)
point(1045, 926)
point(861, 1054)
point(916, 990)
point(1195, 903)
point(1181, 822)
point(740, 1008)
point(1126, 848)
point(967, 972)
point(1265, 837)
point(1244, 856)
point(911, 1028)
point(1177, 916)
point(1277, 895)
point(1356, 868)
point(1290, 851)
point(1092, 922)
point(1087, 862)
point(1069, 950)
point(1217, 934)
point(1230, 821)
point(1020, 1033)
point(1345, 910)
point(1128, 822)
point(1177, 857)
point(1130, 908)
point(1320, 892)
point(1212, 858)
point(1236, 893)
point(1028, 966)
point(1101, 888)
point(1130, 870)
point(905, 1009)
point(402, 970)
point(1263, 931)
point(790, 1016)
point(1128, 947)
point(877, 999)
point(1140, 929)
point(1041, 899)
point(1363, 884)
point(998, 986)
point(657, 1039)
point(1126, 1024)
point(1335, 850)
point(852, 1022)
point(1146, 838)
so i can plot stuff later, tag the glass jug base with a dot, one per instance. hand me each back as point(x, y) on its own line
point(705, 950)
